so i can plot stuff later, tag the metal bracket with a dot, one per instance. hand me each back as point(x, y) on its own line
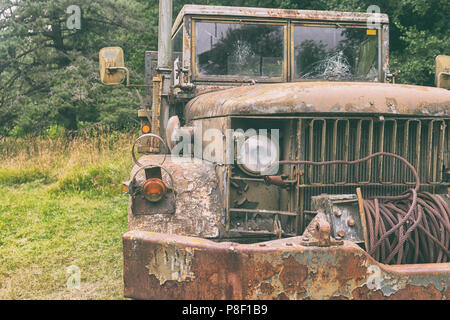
point(318, 233)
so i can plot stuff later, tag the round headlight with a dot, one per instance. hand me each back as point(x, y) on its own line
point(258, 155)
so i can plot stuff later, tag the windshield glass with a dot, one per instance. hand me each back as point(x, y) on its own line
point(239, 50)
point(334, 53)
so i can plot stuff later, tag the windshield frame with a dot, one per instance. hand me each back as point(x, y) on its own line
point(189, 51)
point(309, 23)
point(220, 78)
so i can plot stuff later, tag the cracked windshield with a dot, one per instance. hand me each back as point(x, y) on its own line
point(239, 50)
point(331, 53)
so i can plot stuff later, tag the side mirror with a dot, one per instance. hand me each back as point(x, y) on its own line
point(443, 72)
point(112, 66)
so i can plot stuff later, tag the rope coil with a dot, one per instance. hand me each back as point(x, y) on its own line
point(410, 228)
point(409, 231)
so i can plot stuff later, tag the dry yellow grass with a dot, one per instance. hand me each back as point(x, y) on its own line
point(61, 206)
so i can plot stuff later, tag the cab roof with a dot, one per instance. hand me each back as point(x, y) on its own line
point(245, 12)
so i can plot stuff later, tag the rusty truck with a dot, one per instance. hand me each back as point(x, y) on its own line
point(280, 160)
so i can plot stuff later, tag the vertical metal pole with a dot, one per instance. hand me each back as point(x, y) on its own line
point(418, 139)
point(406, 149)
point(148, 79)
point(358, 149)
point(347, 148)
point(370, 150)
point(324, 138)
point(441, 151)
point(430, 152)
point(311, 150)
point(299, 193)
point(164, 61)
point(381, 149)
point(164, 34)
point(394, 150)
point(333, 156)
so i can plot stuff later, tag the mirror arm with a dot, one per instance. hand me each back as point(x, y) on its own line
point(392, 76)
point(128, 77)
point(121, 68)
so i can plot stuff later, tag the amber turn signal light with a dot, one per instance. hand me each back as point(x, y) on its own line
point(145, 129)
point(154, 189)
point(126, 186)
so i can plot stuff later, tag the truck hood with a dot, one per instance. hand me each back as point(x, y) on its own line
point(321, 97)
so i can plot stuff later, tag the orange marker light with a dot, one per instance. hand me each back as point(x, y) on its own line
point(154, 189)
point(145, 129)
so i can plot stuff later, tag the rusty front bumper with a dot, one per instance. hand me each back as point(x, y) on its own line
point(161, 266)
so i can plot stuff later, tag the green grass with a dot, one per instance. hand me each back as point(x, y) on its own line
point(12, 176)
point(62, 207)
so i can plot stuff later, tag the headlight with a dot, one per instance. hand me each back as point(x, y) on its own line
point(258, 156)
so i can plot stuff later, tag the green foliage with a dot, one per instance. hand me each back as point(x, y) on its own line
point(49, 74)
point(54, 131)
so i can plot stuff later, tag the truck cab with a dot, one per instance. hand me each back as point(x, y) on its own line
point(283, 141)
point(225, 46)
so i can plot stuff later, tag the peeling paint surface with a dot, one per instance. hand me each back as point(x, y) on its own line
point(309, 97)
point(170, 263)
point(199, 209)
point(205, 270)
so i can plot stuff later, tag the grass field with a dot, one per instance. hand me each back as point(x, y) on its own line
point(61, 206)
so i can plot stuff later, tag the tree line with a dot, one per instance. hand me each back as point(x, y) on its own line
point(49, 70)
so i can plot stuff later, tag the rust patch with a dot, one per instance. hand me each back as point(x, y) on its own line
point(303, 97)
point(282, 296)
point(350, 268)
point(233, 271)
point(265, 270)
point(293, 275)
point(411, 292)
point(266, 289)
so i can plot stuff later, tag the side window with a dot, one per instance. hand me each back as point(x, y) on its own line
point(177, 42)
point(177, 47)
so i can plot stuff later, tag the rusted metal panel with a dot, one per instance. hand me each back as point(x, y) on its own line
point(161, 266)
point(310, 97)
point(199, 208)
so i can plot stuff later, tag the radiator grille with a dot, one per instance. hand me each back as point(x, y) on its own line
point(423, 142)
